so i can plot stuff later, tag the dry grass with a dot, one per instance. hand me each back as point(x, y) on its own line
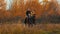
point(24, 29)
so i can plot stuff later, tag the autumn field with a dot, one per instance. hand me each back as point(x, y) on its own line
point(13, 13)
point(20, 28)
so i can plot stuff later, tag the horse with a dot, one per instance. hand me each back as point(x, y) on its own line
point(30, 20)
point(30, 17)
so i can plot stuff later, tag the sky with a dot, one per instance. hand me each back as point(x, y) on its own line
point(58, 1)
point(50, 0)
point(9, 3)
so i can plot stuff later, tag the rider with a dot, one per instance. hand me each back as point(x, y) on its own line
point(28, 16)
point(28, 13)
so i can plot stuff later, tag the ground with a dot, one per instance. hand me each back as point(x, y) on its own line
point(20, 28)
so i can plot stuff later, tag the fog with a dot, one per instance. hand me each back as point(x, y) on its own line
point(58, 1)
point(8, 4)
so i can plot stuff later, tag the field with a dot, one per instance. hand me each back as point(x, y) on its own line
point(20, 28)
point(13, 11)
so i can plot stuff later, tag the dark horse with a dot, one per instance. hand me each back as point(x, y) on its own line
point(29, 19)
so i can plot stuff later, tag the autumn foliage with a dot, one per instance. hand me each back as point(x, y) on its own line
point(19, 8)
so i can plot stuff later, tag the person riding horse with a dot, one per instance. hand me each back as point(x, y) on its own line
point(27, 19)
point(30, 17)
